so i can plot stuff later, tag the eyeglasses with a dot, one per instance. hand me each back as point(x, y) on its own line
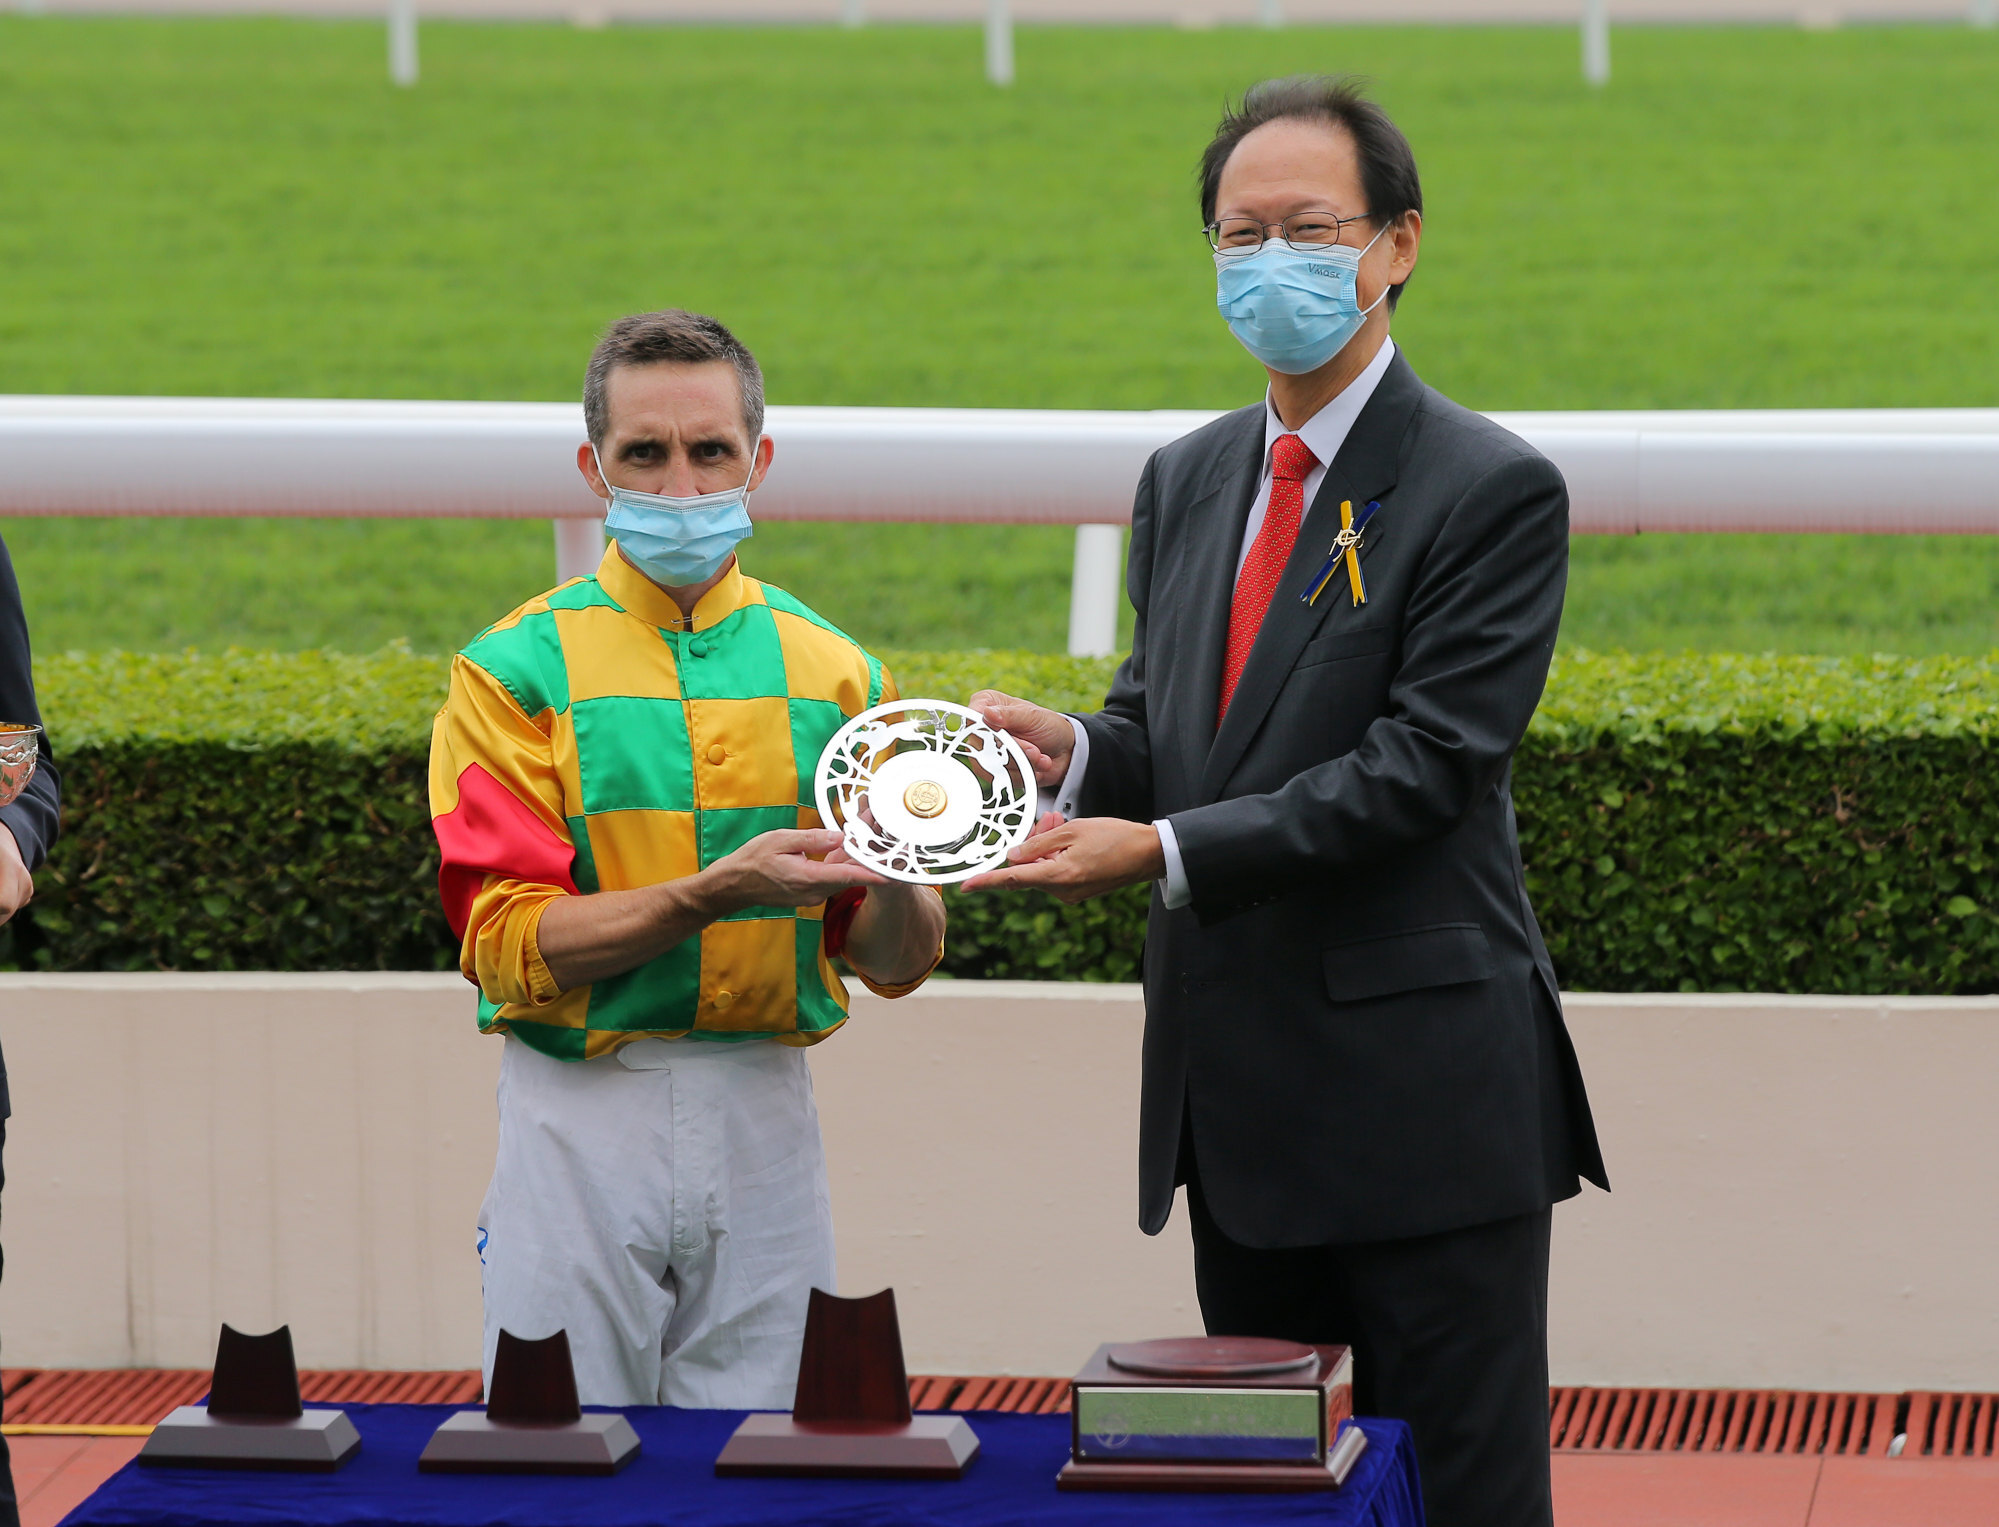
point(1305, 231)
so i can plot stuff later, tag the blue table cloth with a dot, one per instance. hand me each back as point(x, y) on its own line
point(672, 1484)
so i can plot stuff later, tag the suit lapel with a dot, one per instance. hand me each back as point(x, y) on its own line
point(1364, 469)
point(1220, 511)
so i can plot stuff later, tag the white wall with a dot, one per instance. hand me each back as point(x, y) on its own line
point(1806, 1187)
point(1806, 1194)
point(192, 1149)
point(982, 1139)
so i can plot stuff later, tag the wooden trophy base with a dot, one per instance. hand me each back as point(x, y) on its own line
point(924, 1447)
point(471, 1443)
point(319, 1441)
point(1267, 1478)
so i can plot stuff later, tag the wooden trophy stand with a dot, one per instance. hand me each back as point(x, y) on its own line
point(253, 1418)
point(532, 1423)
point(1212, 1413)
point(850, 1416)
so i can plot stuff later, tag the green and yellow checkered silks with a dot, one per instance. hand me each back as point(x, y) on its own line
point(587, 727)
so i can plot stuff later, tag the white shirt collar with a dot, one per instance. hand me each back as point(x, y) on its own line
point(1326, 431)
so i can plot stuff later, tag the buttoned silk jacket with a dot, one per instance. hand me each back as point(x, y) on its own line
point(591, 743)
point(1354, 1023)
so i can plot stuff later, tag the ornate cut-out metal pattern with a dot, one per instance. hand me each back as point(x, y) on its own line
point(925, 791)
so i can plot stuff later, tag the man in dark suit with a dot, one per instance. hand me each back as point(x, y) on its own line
point(1354, 1052)
point(27, 828)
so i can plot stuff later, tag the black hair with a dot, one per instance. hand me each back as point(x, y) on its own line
point(1388, 175)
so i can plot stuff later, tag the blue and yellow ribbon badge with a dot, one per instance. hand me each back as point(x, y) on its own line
point(1347, 549)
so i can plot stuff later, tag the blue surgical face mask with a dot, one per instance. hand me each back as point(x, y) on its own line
point(679, 541)
point(1292, 310)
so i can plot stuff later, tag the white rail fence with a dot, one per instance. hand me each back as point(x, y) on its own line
point(1000, 15)
point(999, 19)
point(1886, 471)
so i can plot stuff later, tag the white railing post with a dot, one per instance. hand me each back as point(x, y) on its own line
point(999, 42)
point(1270, 13)
point(853, 13)
point(402, 42)
point(1985, 14)
point(579, 547)
point(1095, 585)
point(1596, 41)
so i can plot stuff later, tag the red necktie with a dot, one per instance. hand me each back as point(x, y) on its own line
point(1291, 462)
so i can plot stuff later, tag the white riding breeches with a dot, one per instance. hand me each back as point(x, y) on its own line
point(667, 1206)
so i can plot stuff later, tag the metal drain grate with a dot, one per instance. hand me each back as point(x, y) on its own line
point(1721, 1421)
point(1927, 1424)
point(143, 1396)
point(1950, 1425)
point(1017, 1396)
point(129, 1397)
point(100, 1397)
point(360, 1387)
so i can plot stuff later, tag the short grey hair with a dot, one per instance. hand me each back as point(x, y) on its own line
point(670, 336)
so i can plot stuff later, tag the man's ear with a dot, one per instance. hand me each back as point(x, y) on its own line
point(766, 450)
point(1408, 238)
point(586, 463)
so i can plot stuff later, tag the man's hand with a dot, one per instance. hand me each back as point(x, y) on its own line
point(1073, 861)
point(774, 869)
point(1043, 734)
point(17, 886)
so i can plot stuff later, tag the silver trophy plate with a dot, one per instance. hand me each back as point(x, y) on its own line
point(924, 791)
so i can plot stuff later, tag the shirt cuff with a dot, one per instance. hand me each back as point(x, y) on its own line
point(26, 837)
point(892, 990)
point(1178, 892)
point(541, 984)
point(1071, 788)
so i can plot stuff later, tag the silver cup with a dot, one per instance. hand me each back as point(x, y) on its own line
point(19, 746)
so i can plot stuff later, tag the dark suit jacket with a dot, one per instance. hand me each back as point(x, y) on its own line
point(34, 817)
point(1357, 1008)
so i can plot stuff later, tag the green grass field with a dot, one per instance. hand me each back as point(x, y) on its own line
point(1745, 218)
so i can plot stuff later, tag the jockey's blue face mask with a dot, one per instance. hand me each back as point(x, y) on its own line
point(679, 542)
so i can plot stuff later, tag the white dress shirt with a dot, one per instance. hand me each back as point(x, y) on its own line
point(1324, 433)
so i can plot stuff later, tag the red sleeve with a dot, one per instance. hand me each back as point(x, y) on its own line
point(491, 832)
point(840, 912)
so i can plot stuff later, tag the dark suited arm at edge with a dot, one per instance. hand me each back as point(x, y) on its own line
point(34, 817)
point(1118, 782)
point(1478, 635)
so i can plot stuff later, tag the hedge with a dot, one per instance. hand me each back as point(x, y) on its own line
point(1695, 823)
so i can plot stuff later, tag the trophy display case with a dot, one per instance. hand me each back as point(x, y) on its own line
point(1212, 1413)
